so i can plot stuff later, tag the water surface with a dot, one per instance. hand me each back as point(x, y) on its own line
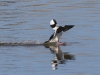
point(27, 22)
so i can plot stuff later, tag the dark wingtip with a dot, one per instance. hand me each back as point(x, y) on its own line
point(67, 27)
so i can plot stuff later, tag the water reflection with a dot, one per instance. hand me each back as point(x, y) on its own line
point(59, 56)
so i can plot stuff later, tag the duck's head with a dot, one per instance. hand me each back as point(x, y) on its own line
point(53, 23)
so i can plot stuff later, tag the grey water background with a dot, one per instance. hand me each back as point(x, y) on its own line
point(28, 20)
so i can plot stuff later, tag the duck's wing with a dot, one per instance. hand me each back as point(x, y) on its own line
point(60, 29)
point(51, 36)
point(67, 27)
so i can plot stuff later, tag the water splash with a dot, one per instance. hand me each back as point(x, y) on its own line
point(21, 43)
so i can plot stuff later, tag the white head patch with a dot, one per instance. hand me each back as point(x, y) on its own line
point(53, 21)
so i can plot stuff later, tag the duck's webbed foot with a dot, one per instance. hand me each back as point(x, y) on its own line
point(61, 43)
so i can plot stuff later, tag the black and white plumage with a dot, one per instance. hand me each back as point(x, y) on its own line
point(58, 30)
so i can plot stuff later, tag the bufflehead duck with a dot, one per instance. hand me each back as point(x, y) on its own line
point(58, 30)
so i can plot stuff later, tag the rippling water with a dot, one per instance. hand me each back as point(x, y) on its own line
point(27, 22)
